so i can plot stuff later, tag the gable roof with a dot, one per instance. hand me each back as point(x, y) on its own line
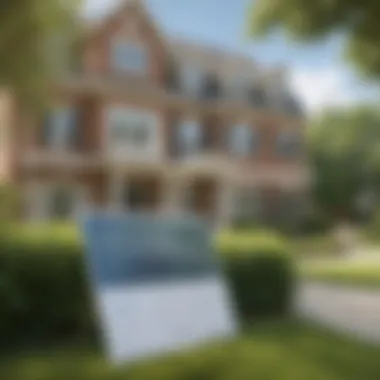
point(118, 11)
point(227, 64)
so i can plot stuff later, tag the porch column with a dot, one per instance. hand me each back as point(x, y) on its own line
point(225, 204)
point(117, 181)
point(173, 195)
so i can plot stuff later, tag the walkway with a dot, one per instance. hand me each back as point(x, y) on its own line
point(356, 312)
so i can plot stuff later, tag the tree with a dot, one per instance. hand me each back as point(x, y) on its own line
point(344, 156)
point(30, 31)
point(356, 20)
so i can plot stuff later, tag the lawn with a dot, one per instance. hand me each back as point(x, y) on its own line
point(269, 351)
point(353, 274)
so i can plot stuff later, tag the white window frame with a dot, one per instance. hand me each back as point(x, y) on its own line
point(189, 137)
point(191, 79)
point(122, 63)
point(61, 124)
point(129, 116)
point(241, 145)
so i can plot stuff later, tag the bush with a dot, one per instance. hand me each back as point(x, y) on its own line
point(9, 203)
point(43, 291)
point(372, 231)
point(316, 222)
point(44, 295)
point(259, 268)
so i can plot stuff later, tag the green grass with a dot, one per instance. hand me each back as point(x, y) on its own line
point(271, 351)
point(352, 274)
point(323, 245)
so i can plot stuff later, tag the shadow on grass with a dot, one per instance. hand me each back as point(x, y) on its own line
point(286, 350)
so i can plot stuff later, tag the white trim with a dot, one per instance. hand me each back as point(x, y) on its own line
point(61, 124)
point(189, 135)
point(240, 145)
point(152, 147)
point(116, 182)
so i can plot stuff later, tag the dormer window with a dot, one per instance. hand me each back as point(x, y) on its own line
point(293, 106)
point(257, 96)
point(128, 56)
point(191, 79)
point(237, 88)
point(211, 88)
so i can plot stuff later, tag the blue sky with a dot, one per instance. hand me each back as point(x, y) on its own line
point(318, 73)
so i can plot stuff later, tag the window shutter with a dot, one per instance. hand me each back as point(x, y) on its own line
point(75, 128)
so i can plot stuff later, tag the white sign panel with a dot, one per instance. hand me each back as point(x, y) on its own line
point(158, 285)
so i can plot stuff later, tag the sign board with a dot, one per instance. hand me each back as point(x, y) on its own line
point(157, 284)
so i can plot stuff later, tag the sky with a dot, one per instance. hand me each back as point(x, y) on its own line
point(318, 74)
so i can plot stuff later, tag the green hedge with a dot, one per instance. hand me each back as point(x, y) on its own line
point(43, 289)
point(260, 270)
point(44, 295)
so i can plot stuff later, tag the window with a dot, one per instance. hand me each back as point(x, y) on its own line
point(288, 144)
point(257, 96)
point(129, 56)
point(59, 128)
point(238, 88)
point(243, 141)
point(293, 106)
point(192, 80)
point(189, 137)
point(131, 129)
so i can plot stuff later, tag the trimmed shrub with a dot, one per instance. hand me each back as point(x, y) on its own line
point(260, 270)
point(44, 295)
point(43, 289)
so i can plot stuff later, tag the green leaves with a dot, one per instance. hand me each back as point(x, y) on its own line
point(308, 20)
point(342, 148)
point(27, 27)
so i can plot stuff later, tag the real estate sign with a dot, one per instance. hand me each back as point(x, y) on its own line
point(157, 284)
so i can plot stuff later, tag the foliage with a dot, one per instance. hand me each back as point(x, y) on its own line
point(43, 291)
point(31, 44)
point(343, 145)
point(259, 268)
point(372, 230)
point(44, 295)
point(238, 242)
point(352, 274)
point(272, 351)
point(305, 21)
point(9, 205)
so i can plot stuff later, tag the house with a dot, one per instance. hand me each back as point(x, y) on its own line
point(148, 122)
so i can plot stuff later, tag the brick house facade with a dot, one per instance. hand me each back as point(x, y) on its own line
point(150, 123)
